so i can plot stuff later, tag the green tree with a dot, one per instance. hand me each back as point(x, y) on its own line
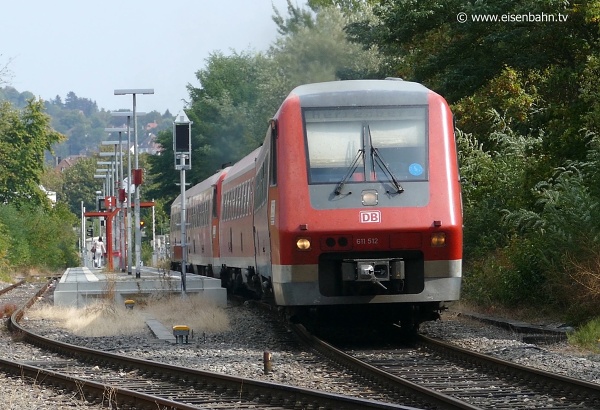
point(456, 59)
point(24, 137)
point(347, 6)
point(224, 107)
point(5, 73)
point(424, 42)
point(79, 185)
point(320, 51)
point(296, 20)
point(162, 170)
point(239, 93)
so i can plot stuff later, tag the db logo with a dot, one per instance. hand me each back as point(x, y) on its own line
point(370, 217)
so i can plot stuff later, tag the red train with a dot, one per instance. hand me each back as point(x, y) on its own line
point(352, 203)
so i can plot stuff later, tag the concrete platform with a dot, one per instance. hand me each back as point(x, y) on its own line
point(81, 286)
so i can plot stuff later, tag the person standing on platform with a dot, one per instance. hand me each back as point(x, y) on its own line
point(100, 251)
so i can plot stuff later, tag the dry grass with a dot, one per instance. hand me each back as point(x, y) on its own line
point(7, 309)
point(98, 319)
point(24, 393)
point(587, 275)
point(104, 318)
point(199, 314)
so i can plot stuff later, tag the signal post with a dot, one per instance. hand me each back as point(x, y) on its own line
point(182, 147)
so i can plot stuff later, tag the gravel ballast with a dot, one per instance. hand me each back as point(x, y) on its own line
point(239, 351)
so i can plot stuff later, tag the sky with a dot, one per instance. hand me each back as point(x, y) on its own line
point(93, 47)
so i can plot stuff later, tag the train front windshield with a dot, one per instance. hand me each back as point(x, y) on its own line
point(366, 144)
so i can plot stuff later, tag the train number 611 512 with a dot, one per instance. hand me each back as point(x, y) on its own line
point(367, 241)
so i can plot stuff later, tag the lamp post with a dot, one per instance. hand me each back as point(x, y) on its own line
point(83, 243)
point(127, 185)
point(111, 172)
point(120, 196)
point(99, 195)
point(137, 180)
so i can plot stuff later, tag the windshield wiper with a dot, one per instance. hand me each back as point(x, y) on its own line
point(351, 170)
point(379, 161)
point(384, 166)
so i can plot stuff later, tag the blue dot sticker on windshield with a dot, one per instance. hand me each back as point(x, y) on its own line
point(415, 169)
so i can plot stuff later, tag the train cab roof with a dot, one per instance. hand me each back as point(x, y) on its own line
point(362, 92)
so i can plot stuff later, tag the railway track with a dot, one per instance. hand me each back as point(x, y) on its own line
point(428, 375)
point(124, 382)
point(447, 377)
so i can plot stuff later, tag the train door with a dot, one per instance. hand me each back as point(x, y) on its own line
point(262, 240)
point(214, 231)
point(215, 267)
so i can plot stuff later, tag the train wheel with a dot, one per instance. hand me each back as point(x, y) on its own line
point(267, 289)
point(225, 279)
point(409, 323)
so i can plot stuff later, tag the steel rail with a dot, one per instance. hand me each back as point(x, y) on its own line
point(581, 388)
point(386, 379)
point(265, 392)
point(578, 390)
point(90, 390)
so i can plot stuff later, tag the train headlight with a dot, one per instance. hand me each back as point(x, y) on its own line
point(369, 197)
point(303, 244)
point(438, 239)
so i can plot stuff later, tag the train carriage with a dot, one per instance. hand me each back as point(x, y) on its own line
point(368, 207)
point(203, 202)
point(353, 201)
point(236, 225)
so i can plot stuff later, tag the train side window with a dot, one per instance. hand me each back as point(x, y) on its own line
point(226, 206)
point(243, 196)
point(246, 197)
point(260, 187)
point(238, 201)
point(273, 153)
point(214, 202)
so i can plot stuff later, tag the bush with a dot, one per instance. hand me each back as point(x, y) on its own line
point(506, 277)
point(530, 244)
point(587, 336)
point(37, 238)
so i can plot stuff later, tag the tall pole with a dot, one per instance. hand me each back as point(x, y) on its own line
point(115, 222)
point(182, 148)
point(122, 209)
point(138, 234)
point(183, 231)
point(83, 236)
point(128, 214)
point(137, 182)
point(154, 256)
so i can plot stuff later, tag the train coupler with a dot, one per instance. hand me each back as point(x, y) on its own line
point(372, 270)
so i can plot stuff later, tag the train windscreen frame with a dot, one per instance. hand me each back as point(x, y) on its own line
point(346, 140)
